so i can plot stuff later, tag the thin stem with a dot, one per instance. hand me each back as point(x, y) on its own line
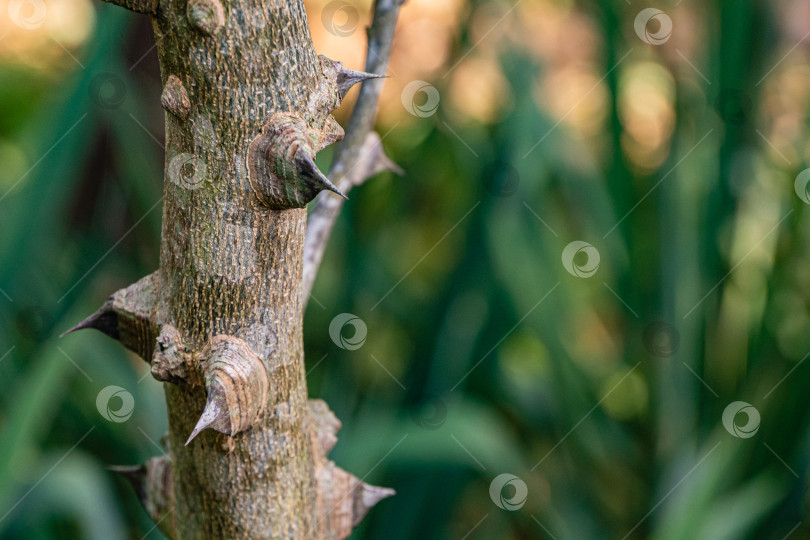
point(346, 171)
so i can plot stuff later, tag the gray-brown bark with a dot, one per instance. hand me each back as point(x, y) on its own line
point(248, 104)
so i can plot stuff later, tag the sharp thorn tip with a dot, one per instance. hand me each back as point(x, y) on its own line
point(396, 169)
point(194, 433)
point(204, 421)
point(333, 188)
point(81, 326)
point(213, 416)
point(104, 320)
point(349, 77)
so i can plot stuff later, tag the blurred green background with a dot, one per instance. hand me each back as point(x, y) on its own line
point(674, 156)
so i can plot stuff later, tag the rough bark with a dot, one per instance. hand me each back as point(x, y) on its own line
point(248, 104)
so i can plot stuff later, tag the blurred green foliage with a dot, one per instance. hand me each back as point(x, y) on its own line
point(484, 355)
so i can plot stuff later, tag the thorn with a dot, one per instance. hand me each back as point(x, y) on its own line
point(135, 475)
point(311, 170)
point(331, 133)
point(153, 483)
point(175, 98)
point(348, 77)
point(199, 427)
point(104, 320)
point(373, 160)
point(344, 499)
point(393, 167)
point(208, 16)
point(215, 415)
point(368, 497)
point(128, 316)
point(384, 163)
point(325, 422)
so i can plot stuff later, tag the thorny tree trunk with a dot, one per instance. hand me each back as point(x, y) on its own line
point(248, 104)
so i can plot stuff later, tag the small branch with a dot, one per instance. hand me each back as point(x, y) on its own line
point(359, 156)
point(371, 159)
point(380, 39)
point(148, 7)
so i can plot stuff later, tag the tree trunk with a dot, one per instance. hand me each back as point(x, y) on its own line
point(248, 103)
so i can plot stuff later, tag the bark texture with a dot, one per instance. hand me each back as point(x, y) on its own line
point(230, 266)
point(248, 104)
